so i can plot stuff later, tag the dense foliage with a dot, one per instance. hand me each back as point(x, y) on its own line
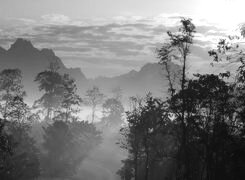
point(198, 132)
point(50, 148)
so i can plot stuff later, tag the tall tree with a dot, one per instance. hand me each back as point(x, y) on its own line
point(178, 48)
point(22, 162)
point(231, 50)
point(94, 98)
point(145, 139)
point(58, 142)
point(113, 111)
point(70, 100)
point(10, 87)
point(126, 172)
point(131, 141)
point(86, 138)
point(66, 144)
point(6, 145)
point(51, 82)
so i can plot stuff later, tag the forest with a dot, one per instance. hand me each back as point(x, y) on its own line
point(196, 133)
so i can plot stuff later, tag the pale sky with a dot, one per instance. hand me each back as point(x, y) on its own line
point(94, 8)
point(111, 37)
point(34, 9)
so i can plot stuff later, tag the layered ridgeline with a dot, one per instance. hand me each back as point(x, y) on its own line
point(30, 60)
point(150, 78)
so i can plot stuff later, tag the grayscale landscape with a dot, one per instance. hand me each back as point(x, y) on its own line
point(122, 90)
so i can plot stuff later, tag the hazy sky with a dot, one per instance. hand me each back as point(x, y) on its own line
point(94, 8)
point(110, 8)
point(111, 37)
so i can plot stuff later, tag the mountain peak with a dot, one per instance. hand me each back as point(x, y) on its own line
point(132, 72)
point(22, 43)
point(150, 67)
point(48, 52)
point(2, 50)
point(21, 46)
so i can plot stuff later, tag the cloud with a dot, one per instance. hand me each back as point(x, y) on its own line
point(55, 19)
point(111, 38)
point(114, 43)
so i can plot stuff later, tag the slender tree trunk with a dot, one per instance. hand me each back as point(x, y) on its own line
point(147, 155)
point(185, 163)
point(48, 113)
point(6, 105)
point(93, 114)
point(136, 153)
point(147, 165)
point(67, 114)
point(5, 110)
point(136, 166)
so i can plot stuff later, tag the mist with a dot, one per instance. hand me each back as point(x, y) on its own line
point(122, 90)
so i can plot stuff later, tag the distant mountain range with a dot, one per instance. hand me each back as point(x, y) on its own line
point(150, 78)
point(30, 60)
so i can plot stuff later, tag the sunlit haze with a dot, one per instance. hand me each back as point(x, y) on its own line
point(122, 90)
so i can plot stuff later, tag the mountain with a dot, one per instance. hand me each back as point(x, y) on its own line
point(150, 78)
point(24, 55)
point(30, 60)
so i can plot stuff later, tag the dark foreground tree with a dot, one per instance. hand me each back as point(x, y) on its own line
point(51, 82)
point(58, 142)
point(66, 144)
point(70, 100)
point(178, 48)
point(10, 88)
point(22, 162)
point(60, 100)
point(5, 145)
point(230, 50)
point(209, 117)
point(147, 140)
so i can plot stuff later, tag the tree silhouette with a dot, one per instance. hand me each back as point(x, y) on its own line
point(112, 110)
point(22, 162)
point(10, 87)
point(51, 82)
point(71, 101)
point(131, 141)
point(145, 139)
point(94, 97)
point(6, 146)
point(58, 142)
point(178, 48)
point(66, 144)
point(231, 51)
